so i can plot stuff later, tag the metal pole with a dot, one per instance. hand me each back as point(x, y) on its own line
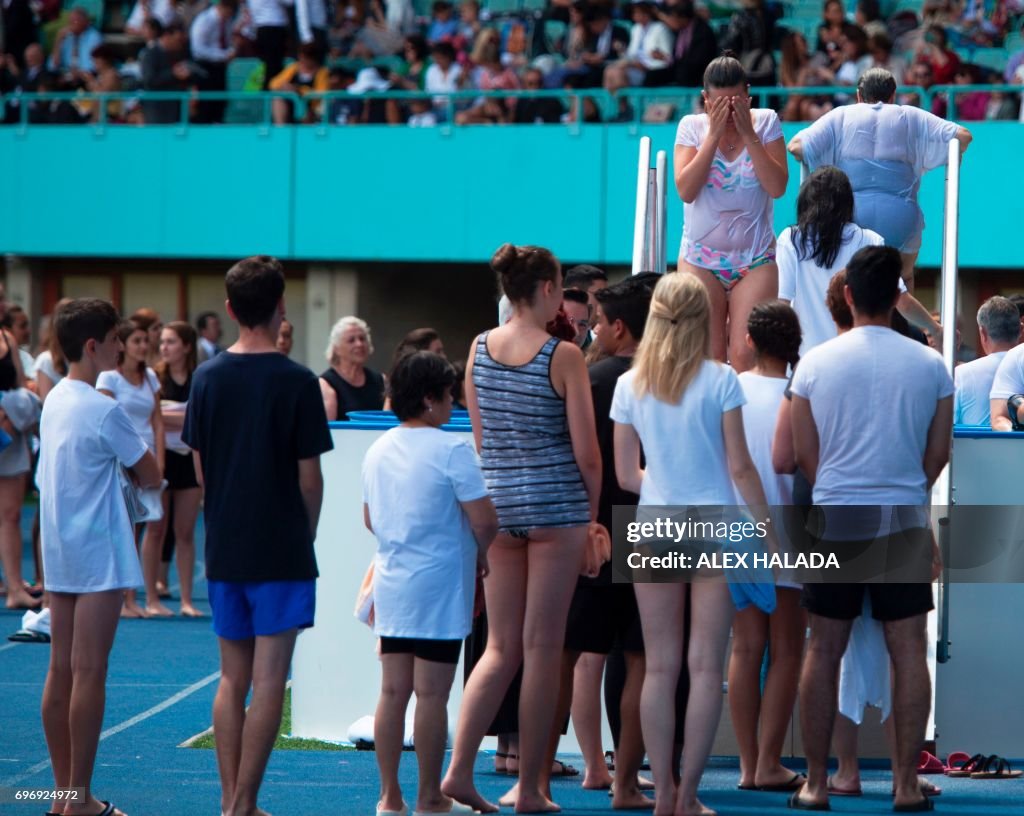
point(640, 220)
point(661, 165)
point(950, 266)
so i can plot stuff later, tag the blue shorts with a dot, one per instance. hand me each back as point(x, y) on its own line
point(242, 610)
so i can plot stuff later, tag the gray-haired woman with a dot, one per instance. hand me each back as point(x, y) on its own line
point(348, 385)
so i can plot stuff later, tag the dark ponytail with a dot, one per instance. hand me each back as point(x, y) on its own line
point(725, 71)
point(521, 268)
point(775, 330)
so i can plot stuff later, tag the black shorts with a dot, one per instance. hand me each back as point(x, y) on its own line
point(602, 616)
point(436, 651)
point(889, 602)
point(179, 471)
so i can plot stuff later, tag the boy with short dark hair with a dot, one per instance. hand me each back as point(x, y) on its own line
point(257, 427)
point(85, 437)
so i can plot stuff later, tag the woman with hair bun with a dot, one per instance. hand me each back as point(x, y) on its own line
point(528, 395)
point(675, 392)
point(730, 163)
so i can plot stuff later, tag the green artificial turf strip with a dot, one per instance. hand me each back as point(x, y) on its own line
point(284, 742)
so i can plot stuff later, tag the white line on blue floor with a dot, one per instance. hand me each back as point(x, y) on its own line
point(117, 729)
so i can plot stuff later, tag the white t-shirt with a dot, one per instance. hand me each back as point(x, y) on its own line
point(44, 363)
point(425, 567)
point(974, 381)
point(138, 401)
point(763, 396)
point(873, 394)
point(88, 544)
point(729, 224)
point(1009, 379)
point(683, 443)
point(804, 284)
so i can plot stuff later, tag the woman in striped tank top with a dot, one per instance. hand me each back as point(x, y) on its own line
point(529, 400)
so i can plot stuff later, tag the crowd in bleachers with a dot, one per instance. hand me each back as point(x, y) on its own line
point(437, 48)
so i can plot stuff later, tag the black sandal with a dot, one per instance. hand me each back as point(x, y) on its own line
point(995, 767)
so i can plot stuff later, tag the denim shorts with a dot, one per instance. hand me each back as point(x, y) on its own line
point(242, 610)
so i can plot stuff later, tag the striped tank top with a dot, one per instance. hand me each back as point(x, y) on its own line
point(526, 453)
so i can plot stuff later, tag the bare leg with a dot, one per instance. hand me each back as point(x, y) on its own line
point(787, 627)
point(152, 549)
point(907, 642)
point(57, 691)
point(229, 712)
point(712, 611)
point(433, 684)
point(186, 511)
point(272, 657)
point(505, 589)
point(719, 308)
point(586, 719)
point(554, 557)
point(844, 741)
point(95, 624)
point(750, 636)
point(909, 263)
point(759, 285)
point(130, 607)
point(12, 496)
point(819, 682)
point(389, 725)
point(661, 615)
point(630, 753)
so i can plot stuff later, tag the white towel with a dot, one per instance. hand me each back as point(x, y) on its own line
point(864, 678)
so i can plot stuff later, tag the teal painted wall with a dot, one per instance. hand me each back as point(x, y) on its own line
point(389, 193)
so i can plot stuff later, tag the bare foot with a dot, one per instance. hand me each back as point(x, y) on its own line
point(598, 779)
point(665, 800)
point(694, 808)
point(510, 798)
point(190, 611)
point(440, 804)
point(535, 804)
point(466, 793)
point(644, 783)
point(20, 599)
point(780, 778)
point(158, 610)
point(132, 610)
point(630, 799)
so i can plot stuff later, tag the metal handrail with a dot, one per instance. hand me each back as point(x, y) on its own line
point(607, 103)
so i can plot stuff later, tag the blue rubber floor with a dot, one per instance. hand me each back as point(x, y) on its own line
point(160, 691)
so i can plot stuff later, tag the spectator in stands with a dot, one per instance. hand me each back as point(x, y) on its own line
point(869, 17)
point(999, 331)
point(164, 69)
point(349, 16)
point(934, 50)
point(650, 43)
point(1001, 106)
point(750, 34)
point(799, 70)
point(306, 74)
point(443, 25)
point(880, 48)
point(18, 25)
point(386, 25)
point(443, 76)
point(421, 113)
point(884, 148)
point(615, 80)
point(695, 44)
point(412, 75)
point(832, 28)
point(105, 79)
point(1013, 63)
point(532, 110)
point(212, 48)
point(23, 78)
point(973, 105)
point(208, 327)
point(311, 23)
point(162, 10)
point(489, 75)
point(920, 74)
point(855, 60)
point(348, 384)
point(343, 110)
point(469, 24)
point(73, 47)
point(52, 111)
point(270, 18)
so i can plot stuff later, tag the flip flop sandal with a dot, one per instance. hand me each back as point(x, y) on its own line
point(930, 764)
point(565, 770)
point(793, 784)
point(956, 758)
point(927, 788)
point(967, 767)
point(29, 636)
point(995, 767)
